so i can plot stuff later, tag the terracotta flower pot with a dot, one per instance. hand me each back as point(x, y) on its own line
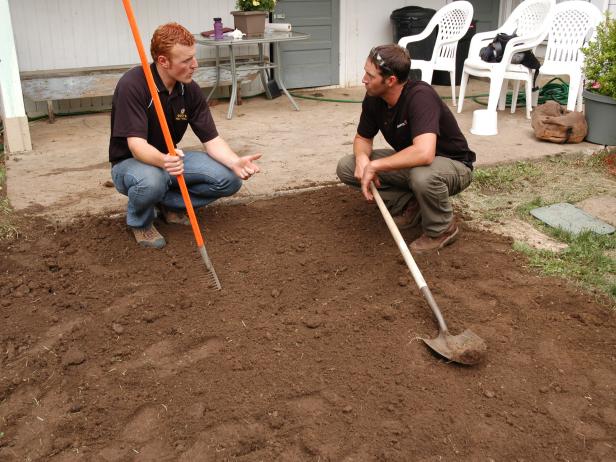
point(250, 22)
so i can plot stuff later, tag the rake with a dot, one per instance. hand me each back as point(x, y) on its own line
point(163, 124)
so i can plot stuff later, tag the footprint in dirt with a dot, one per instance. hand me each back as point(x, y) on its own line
point(168, 361)
point(232, 439)
point(141, 438)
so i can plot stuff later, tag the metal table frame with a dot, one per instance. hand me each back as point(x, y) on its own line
point(269, 37)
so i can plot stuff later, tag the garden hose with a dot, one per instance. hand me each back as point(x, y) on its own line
point(550, 91)
point(558, 92)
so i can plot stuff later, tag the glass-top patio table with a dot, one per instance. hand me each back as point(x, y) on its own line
point(260, 64)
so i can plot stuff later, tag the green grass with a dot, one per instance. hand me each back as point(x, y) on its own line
point(587, 260)
point(506, 178)
point(8, 229)
point(503, 193)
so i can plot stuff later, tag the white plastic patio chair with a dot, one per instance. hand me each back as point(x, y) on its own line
point(453, 21)
point(530, 21)
point(573, 25)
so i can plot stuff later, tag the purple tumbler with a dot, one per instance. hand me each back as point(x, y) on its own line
point(218, 29)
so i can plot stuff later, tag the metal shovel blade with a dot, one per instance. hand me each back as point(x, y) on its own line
point(465, 348)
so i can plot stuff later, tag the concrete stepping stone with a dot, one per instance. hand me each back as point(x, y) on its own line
point(572, 219)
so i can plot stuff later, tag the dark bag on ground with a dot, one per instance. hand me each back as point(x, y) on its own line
point(493, 53)
point(552, 122)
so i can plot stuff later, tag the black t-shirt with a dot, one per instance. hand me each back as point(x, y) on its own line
point(419, 110)
point(133, 113)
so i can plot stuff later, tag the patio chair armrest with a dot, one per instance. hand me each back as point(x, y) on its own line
point(480, 40)
point(404, 41)
point(520, 44)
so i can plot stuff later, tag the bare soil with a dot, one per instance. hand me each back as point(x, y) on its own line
point(110, 352)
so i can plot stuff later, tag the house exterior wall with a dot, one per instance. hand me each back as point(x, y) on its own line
point(67, 34)
point(365, 24)
point(60, 34)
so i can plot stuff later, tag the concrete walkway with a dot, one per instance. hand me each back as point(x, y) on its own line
point(67, 173)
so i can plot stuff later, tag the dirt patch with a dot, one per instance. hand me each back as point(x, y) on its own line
point(111, 353)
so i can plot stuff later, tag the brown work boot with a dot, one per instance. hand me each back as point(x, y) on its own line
point(409, 217)
point(425, 243)
point(149, 237)
point(174, 217)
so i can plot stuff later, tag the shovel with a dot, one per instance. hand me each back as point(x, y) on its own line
point(466, 348)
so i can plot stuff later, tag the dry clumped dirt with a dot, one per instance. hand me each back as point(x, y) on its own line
point(109, 352)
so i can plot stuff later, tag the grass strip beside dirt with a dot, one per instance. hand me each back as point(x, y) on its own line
point(500, 195)
point(7, 227)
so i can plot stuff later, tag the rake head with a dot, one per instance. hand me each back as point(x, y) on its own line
point(213, 280)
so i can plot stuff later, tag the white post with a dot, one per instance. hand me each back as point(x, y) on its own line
point(14, 119)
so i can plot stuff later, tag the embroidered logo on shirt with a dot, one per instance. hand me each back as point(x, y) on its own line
point(402, 124)
point(182, 115)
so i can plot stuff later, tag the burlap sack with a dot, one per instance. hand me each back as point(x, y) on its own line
point(552, 122)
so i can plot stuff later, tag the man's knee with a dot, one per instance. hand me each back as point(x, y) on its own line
point(151, 185)
point(346, 169)
point(228, 184)
point(423, 180)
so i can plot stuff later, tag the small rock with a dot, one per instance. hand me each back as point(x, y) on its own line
point(108, 184)
point(489, 394)
point(275, 293)
point(312, 322)
point(348, 408)
point(75, 407)
point(277, 348)
point(389, 314)
point(268, 336)
point(149, 316)
point(117, 328)
point(73, 357)
point(544, 389)
point(403, 281)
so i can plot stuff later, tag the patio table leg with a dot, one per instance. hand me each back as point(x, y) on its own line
point(278, 76)
point(233, 83)
point(217, 75)
point(262, 73)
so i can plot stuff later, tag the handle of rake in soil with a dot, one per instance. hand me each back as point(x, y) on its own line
point(408, 258)
point(161, 118)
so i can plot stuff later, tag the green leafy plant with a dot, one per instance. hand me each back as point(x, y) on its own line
point(600, 63)
point(255, 5)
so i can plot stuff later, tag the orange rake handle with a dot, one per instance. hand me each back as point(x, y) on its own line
point(161, 119)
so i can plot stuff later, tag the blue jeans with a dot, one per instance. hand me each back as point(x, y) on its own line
point(147, 186)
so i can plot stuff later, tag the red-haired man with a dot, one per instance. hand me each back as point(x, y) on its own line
point(141, 167)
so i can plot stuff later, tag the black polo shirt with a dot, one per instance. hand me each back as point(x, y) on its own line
point(133, 113)
point(419, 110)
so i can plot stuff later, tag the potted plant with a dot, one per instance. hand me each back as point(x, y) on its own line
point(600, 92)
point(252, 15)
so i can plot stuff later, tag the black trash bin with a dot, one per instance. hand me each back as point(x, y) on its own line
point(442, 77)
point(412, 20)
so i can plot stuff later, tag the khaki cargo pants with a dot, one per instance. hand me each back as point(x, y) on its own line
point(431, 185)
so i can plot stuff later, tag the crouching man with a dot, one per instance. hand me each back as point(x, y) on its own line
point(430, 160)
point(142, 169)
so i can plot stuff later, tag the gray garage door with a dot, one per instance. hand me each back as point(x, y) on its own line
point(313, 62)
